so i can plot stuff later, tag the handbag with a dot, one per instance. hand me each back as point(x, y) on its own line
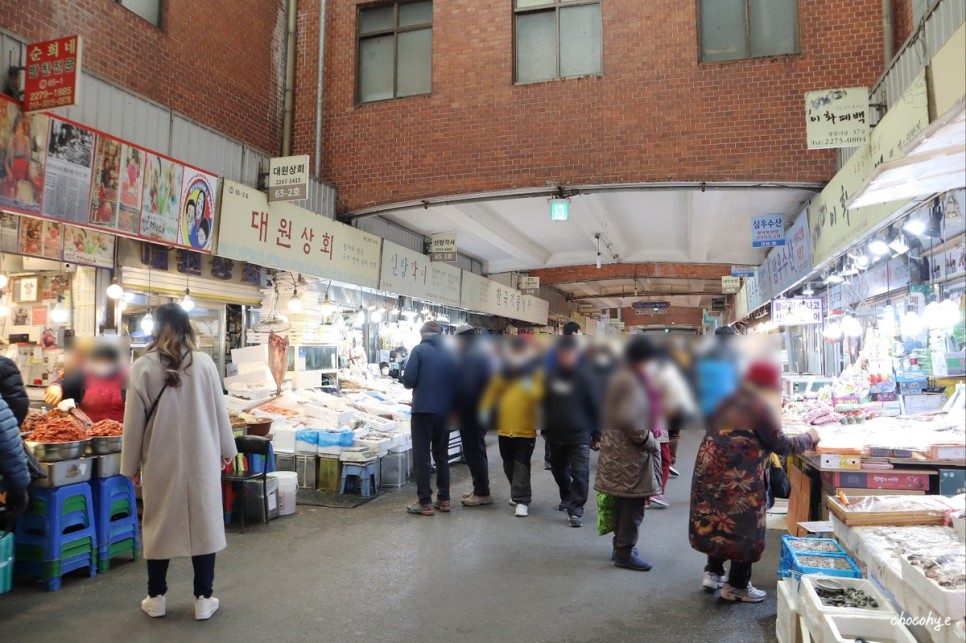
point(779, 486)
point(154, 405)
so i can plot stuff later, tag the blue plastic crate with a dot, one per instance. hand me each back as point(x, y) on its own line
point(800, 565)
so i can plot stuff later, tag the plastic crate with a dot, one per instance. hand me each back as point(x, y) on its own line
point(802, 565)
point(789, 544)
point(6, 562)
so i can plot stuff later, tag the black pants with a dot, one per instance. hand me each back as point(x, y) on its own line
point(430, 436)
point(738, 577)
point(474, 450)
point(628, 516)
point(570, 465)
point(516, 454)
point(204, 575)
point(546, 453)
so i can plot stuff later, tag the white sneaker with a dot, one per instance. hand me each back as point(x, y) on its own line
point(748, 595)
point(659, 502)
point(712, 581)
point(205, 608)
point(153, 606)
point(521, 511)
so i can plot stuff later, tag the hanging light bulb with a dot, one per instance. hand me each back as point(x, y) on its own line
point(851, 326)
point(599, 261)
point(394, 311)
point(408, 314)
point(327, 307)
point(115, 291)
point(878, 247)
point(915, 226)
point(147, 324)
point(833, 331)
point(295, 303)
point(375, 316)
point(911, 324)
point(187, 303)
point(59, 314)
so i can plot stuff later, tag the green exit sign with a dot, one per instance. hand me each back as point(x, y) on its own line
point(559, 209)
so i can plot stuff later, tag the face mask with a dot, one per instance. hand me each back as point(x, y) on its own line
point(385, 371)
point(99, 369)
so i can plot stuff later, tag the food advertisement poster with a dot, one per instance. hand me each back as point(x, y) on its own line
point(57, 169)
point(38, 315)
point(88, 247)
point(41, 238)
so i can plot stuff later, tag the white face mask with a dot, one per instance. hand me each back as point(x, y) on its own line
point(101, 369)
point(385, 371)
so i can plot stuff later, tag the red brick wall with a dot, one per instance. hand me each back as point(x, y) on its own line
point(902, 22)
point(218, 62)
point(655, 115)
point(676, 316)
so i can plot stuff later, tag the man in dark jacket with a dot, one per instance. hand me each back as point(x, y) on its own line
point(13, 462)
point(572, 410)
point(475, 370)
point(12, 389)
point(432, 375)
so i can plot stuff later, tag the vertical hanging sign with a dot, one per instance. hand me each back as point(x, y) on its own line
point(52, 74)
point(442, 247)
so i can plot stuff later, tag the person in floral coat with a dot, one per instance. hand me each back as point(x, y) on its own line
point(728, 490)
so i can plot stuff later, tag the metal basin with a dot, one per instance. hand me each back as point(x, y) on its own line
point(104, 445)
point(57, 451)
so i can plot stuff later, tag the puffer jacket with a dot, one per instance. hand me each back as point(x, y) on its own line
point(516, 400)
point(630, 456)
point(12, 389)
point(432, 374)
point(13, 460)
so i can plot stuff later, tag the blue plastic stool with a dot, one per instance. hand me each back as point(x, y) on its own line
point(57, 518)
point(364, 472)
point(51, 572)
point(116, 517)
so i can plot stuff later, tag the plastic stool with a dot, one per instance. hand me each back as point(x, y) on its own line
point(51, 572)
point(364, 472)
point(116, 518)
point(58, 519)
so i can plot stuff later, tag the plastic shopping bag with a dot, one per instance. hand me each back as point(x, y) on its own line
point(606, 514)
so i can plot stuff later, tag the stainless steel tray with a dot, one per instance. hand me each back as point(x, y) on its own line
point(66, 472)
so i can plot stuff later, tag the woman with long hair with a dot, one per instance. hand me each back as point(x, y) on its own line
point(177, 438)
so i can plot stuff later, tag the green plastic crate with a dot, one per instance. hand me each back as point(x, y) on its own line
point(6, 563)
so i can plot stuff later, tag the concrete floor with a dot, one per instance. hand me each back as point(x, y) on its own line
point(377, 574)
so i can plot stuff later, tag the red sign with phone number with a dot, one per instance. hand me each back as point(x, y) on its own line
point(52, 74)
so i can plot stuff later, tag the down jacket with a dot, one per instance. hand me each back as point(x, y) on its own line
point(630, 456)
point(13, 460)
point(12, 389)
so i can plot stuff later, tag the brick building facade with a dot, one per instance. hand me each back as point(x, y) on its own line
point(218, 62)
point(655, 114)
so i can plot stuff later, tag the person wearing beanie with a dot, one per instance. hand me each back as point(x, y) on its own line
point(730, 483)
point(475, 371)
point(431, 374)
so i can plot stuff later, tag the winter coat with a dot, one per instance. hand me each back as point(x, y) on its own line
point(432, 375)
point(716, 375)
point(571, 407)
point(12, 389)
point(728, 501)
point(513, 401)
point(630, 457)
point(179, 454)
point(13, 460)
point(475, 371)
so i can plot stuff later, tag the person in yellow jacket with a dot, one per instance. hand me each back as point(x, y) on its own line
point(512, 403)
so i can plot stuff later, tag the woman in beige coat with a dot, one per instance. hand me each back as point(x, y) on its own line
point(629, 467)
point(177, 438)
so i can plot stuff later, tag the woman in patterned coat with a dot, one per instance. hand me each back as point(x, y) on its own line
point(728, 491)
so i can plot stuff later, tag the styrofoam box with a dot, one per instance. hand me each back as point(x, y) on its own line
point(260, 375)
point(331, 450)
point(946, 602)
point(378, 446)
point(913, 606)
point(810, 605)
point(253, 367)
point(284, 440)
point(870, 628)
point(331, 418)
point(787, 621)
point(377, 423)
point(402, 448)
point(250, 354)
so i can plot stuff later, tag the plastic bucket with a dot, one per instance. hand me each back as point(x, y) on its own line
point(288, 486)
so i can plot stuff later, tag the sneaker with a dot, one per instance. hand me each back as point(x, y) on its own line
point(421, 509)
point(205, 608)
point(467, 494)
point(442, 505)
point(712, 581)
point(674, 473)
point(632, 562)
point(546, 465)
point(659, 502)
point(576, 521)
point(153, 606)
point(474, 500)
point(750, 594)
point(563, 506)
point(511, 503)
point(522, 511)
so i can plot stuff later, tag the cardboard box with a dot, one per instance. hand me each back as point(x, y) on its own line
point(892, 480)
point(836, 461)
point(952, 482)
point(924, 403)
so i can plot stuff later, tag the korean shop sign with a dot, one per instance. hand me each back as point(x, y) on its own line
point(837, 118)
point(288, 178)
point(743, 271)
point(730, 285)
point(52, 74)
point(767, 231)
point(651, 304)
point(529, 285)
point(286, 237)
point(796, 311)
point(411, 274)
point(717, 304)
point(442, 247)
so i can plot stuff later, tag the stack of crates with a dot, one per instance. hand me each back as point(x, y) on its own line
point(115, 505)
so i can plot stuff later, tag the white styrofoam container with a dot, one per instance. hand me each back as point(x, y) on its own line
point(330, 418)
point(914, 607)
point(810, 605)
point(403, 448)
point(377, 446)
point(250, 354)
point(306, 447)
point(284, 440)
point(787, 620)
point(377, 423)
point(847, 628)
point(944, 602)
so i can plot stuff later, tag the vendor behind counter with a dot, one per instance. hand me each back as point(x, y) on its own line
point(97, 383)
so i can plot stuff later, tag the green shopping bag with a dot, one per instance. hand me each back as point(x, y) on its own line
point(606, 518)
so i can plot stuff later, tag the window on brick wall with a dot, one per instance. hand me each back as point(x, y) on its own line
point(150, 10)
point(395, 51)
point(735, 29)
point(556, 39)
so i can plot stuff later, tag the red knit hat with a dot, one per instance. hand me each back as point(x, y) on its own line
point(765, 374)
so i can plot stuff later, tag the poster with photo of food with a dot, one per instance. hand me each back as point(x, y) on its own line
point(104, 189)
point(55, 286)
point(197, 222)
point(160, 196)
point(40, 238)
point(23, 141)
point(67, 180)
point(88, 247)
point(132, 167)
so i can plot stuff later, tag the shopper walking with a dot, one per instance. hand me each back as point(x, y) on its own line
point(177, 439)
point(475, 369)
point(432, 375)
point(571, 415)
point(678, 407)
point(717, 371)
point(570, 329)
point(513, 402)
point(728, 491)
point(629, 466)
